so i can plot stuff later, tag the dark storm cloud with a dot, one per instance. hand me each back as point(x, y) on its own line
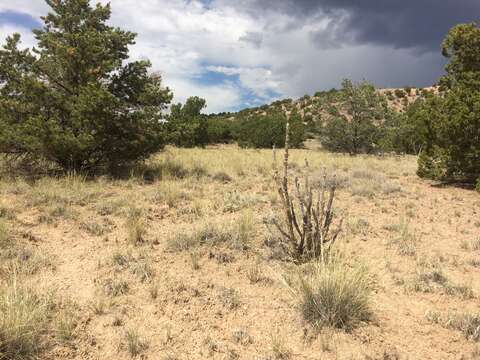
point(420, 24)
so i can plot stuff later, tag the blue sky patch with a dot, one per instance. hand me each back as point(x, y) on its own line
point(19, 19)
point(214, 78)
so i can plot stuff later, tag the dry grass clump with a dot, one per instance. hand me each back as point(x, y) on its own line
point(236, 235)
point(222, 176)
point(234, 201)
point(429, 277)
point(473, 245)
point(72, 189)
point(368, 183)
point(136, 229)
point(333, 294)
point(135, 344)
point(93, 228)
point(280, 350)
point(66, 323)
point(208, 234)
point(116, 287)
point(467, 323)
point(229, 298)
point(23, 322)
point(16, 258)
point(170, 193)
point(25, 260)
point(406, 241)
point(5, 235)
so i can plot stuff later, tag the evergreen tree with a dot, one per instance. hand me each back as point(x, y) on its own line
point(187, 126)
point(451, 121)
point(353, 126)
point(74, 99)
point(266, 131)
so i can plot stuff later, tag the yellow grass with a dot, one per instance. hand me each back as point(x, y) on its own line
point(182, 244)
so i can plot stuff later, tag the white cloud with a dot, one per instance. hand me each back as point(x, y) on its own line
point(27, 38)
point(269, 52)
point(217, 96)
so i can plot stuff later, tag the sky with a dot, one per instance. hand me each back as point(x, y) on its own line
point(244, 53)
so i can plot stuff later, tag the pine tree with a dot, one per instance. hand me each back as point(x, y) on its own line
point(75, 99)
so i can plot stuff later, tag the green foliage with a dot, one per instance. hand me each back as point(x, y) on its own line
point(404, 132)
point(187, 126)
point(452, 148)
point(353, 127)
point(462, 47)
point(477, 186)
point(452, 122)
point(266, 131)
point(219, 130)
point(74, 99)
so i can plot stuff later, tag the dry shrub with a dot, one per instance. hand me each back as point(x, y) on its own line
point(306, 224)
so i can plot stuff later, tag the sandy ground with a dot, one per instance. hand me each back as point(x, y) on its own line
point(224, 302)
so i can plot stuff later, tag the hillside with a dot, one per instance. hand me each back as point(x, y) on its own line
point(319, 105)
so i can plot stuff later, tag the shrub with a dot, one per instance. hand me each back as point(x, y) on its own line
point(267, 131)
point(403, 133)
point(477, 186)
point(75, 100)
point(219, 130)
point(187, 127)
point(335, 295)
point(306, 223)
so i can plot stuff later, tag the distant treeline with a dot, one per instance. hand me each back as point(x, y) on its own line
point(77, 101)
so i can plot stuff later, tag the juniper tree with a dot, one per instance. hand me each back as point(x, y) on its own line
point(451, 122)
point(75, 99)
point(353, 124)
point(187, 125)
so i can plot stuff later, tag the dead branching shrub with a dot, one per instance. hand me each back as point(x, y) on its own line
point(307, 214)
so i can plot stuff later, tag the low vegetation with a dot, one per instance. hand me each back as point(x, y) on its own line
point(113, 249)
point(334, 294)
